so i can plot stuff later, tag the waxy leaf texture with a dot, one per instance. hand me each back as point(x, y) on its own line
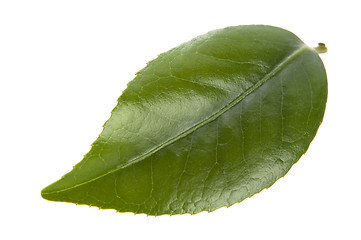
point(205, 125)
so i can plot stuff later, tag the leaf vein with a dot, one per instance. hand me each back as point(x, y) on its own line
point(205, 121)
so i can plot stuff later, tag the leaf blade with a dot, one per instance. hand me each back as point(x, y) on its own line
point(139, 192)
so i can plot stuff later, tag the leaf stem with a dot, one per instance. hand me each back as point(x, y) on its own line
point(321, 48)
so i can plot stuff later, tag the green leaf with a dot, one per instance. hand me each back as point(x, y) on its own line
point(205, 125)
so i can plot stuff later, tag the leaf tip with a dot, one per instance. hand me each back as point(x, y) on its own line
point(50, 192)
point(44, 193)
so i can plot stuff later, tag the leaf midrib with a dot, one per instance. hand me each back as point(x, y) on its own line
point(214, 116)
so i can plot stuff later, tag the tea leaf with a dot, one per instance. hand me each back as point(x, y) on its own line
point(205, 125)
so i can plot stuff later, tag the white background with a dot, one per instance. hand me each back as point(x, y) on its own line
point(63, 64)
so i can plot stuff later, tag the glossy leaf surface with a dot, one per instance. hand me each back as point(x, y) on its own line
point(205, 125)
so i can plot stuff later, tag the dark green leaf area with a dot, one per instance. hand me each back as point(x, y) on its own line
point(205, 125)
